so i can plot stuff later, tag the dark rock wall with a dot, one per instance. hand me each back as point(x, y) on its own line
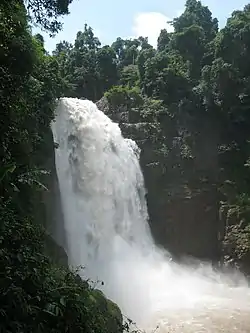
point(48, 209)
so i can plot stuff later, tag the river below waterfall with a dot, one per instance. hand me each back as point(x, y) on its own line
point(106, 222)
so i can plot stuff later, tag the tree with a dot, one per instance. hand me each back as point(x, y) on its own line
point(46, 13)
point(86, 41)
point(196, 14)
point(107, 68)
point(62, 47)
point(163, 40)
point(191, 45)
point(128, 50)
point(143, 56)
point(129, 76)
point(165, 78)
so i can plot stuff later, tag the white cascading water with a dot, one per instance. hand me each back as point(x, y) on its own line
point(105, 213)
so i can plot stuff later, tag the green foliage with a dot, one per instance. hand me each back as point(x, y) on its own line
point(129, 76)
point(165, 77)
point(163, 40)
point(87, 68)
point(127, 50)
point(39, 297)
point(197, 14)
point(119, 95)
point(30, 83)
point(46, 13)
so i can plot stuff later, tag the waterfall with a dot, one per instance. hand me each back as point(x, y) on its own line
point(106, 222)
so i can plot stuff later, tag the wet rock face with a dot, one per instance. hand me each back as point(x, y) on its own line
point(49, 209)
point(119, 114)
point(183, 225)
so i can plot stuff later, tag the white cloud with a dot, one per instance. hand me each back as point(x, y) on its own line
point(149, 24)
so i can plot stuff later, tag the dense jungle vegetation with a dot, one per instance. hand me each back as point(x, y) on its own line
point(195, 88)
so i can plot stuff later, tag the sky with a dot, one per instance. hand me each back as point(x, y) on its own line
point(130, 19)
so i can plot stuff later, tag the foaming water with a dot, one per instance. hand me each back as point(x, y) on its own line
point(103, 195)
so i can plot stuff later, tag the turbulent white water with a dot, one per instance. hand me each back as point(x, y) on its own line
point(105, 213)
